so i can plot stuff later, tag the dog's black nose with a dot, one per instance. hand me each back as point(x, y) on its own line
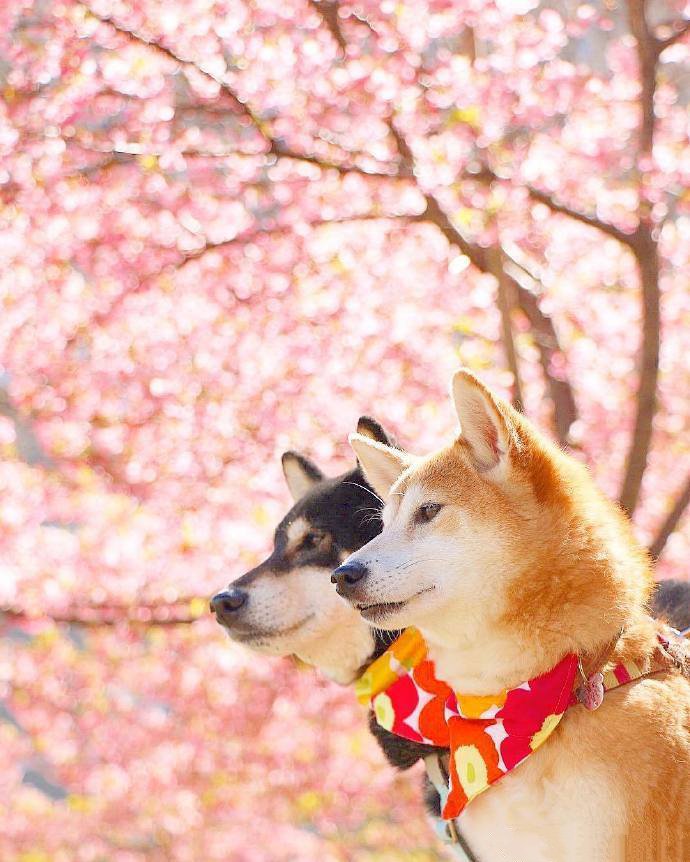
point(227, 602)
point(348, 575)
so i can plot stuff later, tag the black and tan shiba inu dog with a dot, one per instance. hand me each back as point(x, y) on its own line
point(287, 605)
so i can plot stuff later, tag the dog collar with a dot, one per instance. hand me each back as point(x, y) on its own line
point(488, 736)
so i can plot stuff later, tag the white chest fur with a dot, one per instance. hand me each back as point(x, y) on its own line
point(540, 814)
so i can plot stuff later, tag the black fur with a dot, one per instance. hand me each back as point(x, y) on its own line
point(671, 600)
point(432, 801)
point(308, 467)
point(371, 428)
point(343, 514)
point(345, 507)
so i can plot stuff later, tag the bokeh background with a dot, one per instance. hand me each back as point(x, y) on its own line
point(229, 228)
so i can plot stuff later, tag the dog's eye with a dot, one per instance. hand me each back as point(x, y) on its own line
point(309, 542)
point(427, 512)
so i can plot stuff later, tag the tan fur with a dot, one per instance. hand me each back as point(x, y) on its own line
point(295, 614)
point(527, 561)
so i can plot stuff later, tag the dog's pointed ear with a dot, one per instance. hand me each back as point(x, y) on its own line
point(368, 427)
point(381, 464)
point(300, 473)
point(485, 422)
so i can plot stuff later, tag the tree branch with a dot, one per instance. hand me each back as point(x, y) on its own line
point(647, 55)
point(590, 220)
point(132, 150)
point(560, 392)
point(406, 165)
point(671, 521)
point(679, 28)
point(487, 175)
point(126, 152)
point(281, 151)
point(328, 10)
point(28, 446)
point(543, 329)
point(101, 318)
point(274, 146)
point(250, 236)
point(144, 615)
point(646, 253)
point(159, 47)
point(645, 248)
point(545, 334)
point(505, 300)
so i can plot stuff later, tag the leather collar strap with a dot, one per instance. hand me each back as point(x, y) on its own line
point(488, 736)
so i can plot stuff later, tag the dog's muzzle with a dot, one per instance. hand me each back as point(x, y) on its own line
point(348, 576)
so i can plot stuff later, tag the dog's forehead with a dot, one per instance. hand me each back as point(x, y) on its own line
point(349, 511)
point(447, 469)
point(441, 476)
point(327, 506)
point(342, 494)
point(306, 507)
point(404, 492)
point(401, 497)
point(294, 526)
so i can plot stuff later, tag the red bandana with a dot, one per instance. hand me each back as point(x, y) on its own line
point(488, 736)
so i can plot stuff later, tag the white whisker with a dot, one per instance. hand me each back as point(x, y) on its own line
point(368, 490)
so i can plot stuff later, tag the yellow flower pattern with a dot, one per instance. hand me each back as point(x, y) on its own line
point(404, 654)
point(545, 731)
point(384, 711)
point(471, 769)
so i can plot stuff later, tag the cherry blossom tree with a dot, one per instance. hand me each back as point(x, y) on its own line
point(229, 228)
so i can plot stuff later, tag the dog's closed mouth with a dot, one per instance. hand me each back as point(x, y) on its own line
point(382, 609)
point(266, 634)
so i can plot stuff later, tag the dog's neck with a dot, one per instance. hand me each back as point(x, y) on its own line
point(485, 666)
point(582, 589)
point(341, 653)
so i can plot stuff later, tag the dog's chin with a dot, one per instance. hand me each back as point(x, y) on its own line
point(278, 640)
point(390, 615)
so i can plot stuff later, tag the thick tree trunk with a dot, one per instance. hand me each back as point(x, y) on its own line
point(646, 251)
point(647, 256)
point(505, 298)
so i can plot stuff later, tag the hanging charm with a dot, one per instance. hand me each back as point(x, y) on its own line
point(591, 693)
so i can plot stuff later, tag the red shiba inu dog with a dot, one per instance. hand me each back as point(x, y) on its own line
point(502, 552)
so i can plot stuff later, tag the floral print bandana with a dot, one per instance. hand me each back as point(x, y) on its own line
point(487, 736)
